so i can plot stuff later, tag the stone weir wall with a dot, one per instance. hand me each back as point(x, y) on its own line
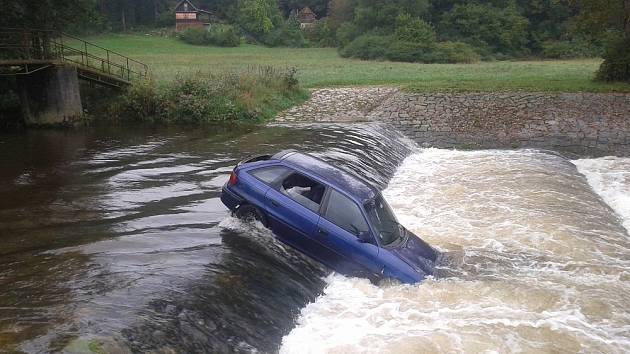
point(581, 123)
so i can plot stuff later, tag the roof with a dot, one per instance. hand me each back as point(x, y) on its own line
point(193, 7)
point(337, 177)
point(307, 10)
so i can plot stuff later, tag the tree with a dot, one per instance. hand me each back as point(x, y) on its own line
point(340, 11)
point(486, 27)
point(548, 21)
point(380, 15)
point(259, 17)
point(610, 17)
point(46, 14)
point(598, 16)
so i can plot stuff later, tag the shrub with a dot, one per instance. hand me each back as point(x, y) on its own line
point(488, 28)
point(166, 19)
point(455, 52)
point(140, 101)
point(408, 51)
point(219, 35)
point(321, 34)
point(367, 47)
point(346, 33)
point(258, 17)
point(195, 36)
point(223, 36)
point(616, 65)
point(256, 94)
point(577, 48)
point(195, 99)
point(288, 34)
point(414, 30)
point(283, 38)
point(389, 47)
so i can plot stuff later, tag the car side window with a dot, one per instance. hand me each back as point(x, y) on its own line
point(303, 190)
point(345, 213)
point(271, 174)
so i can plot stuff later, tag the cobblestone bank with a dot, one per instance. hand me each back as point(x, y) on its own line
point(583, 123)
point(338, 105)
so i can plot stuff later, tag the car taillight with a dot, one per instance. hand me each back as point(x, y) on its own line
point(233, 179)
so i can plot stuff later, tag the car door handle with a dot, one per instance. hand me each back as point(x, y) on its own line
point(322, 232)
point(275, 204)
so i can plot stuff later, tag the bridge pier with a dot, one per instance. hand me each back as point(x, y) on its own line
point(51, 96)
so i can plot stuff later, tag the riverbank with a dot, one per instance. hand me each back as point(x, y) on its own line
point(169, 58)
point(253, 96)
point(594, 124)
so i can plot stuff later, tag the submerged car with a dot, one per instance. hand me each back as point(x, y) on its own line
point(328, 214)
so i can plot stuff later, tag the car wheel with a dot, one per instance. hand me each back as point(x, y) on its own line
point(249, 213)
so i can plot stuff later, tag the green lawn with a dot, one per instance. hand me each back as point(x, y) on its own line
point(319, 67)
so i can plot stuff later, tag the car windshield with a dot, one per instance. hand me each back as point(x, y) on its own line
point(383, 220)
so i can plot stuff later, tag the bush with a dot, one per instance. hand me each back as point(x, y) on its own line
point(166, 19)
point(414, 30)
point(223, 36)
point(616, 65)
point(218, 35)
point(258, 17)
point(288, 34)
point(256, 94)
point(492, 30)
point(577, 48)
point(321, 34)
point(367, 47)
point(346, 33)
point(400, 50)
point(140, 101)
point(370, 47)
point(283, 38)
point(455, 52)
point(195, 36)
point(195, 99)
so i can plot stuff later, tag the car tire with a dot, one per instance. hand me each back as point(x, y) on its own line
point(248, 212)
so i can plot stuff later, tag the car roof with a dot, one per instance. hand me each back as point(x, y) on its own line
point(336, 176)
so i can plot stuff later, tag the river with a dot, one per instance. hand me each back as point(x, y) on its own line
point(115, 239)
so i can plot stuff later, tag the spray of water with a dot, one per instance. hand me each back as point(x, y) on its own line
point(535, 262)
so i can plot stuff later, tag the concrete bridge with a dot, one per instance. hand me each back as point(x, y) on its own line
point(48, 65)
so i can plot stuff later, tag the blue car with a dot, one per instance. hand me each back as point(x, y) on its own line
point(328, 214)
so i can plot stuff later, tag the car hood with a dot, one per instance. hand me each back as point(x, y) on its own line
point(417, 253)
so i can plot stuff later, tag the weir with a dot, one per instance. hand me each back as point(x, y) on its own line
point(119, 236)
point(48, 65)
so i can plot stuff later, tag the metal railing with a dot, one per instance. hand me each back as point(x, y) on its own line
point(44, 45)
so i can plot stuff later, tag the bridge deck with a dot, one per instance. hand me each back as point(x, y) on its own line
point(28, 51)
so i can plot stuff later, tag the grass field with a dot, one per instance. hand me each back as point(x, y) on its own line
point(320, 67)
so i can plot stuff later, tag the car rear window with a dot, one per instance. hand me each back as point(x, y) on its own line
point(345, 213)
point(270, 174)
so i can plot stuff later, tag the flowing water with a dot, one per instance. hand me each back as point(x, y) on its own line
point(115, 239)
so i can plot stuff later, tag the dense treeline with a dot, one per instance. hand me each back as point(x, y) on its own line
point(403, 30)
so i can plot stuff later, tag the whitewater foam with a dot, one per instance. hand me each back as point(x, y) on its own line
point(610, 178)
point(544, 263)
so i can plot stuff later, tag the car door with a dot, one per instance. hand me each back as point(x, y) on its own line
point(293, 206)
point(337, 229)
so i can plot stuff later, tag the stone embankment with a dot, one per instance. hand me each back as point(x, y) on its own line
point(338, 105)
point(582, 123)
